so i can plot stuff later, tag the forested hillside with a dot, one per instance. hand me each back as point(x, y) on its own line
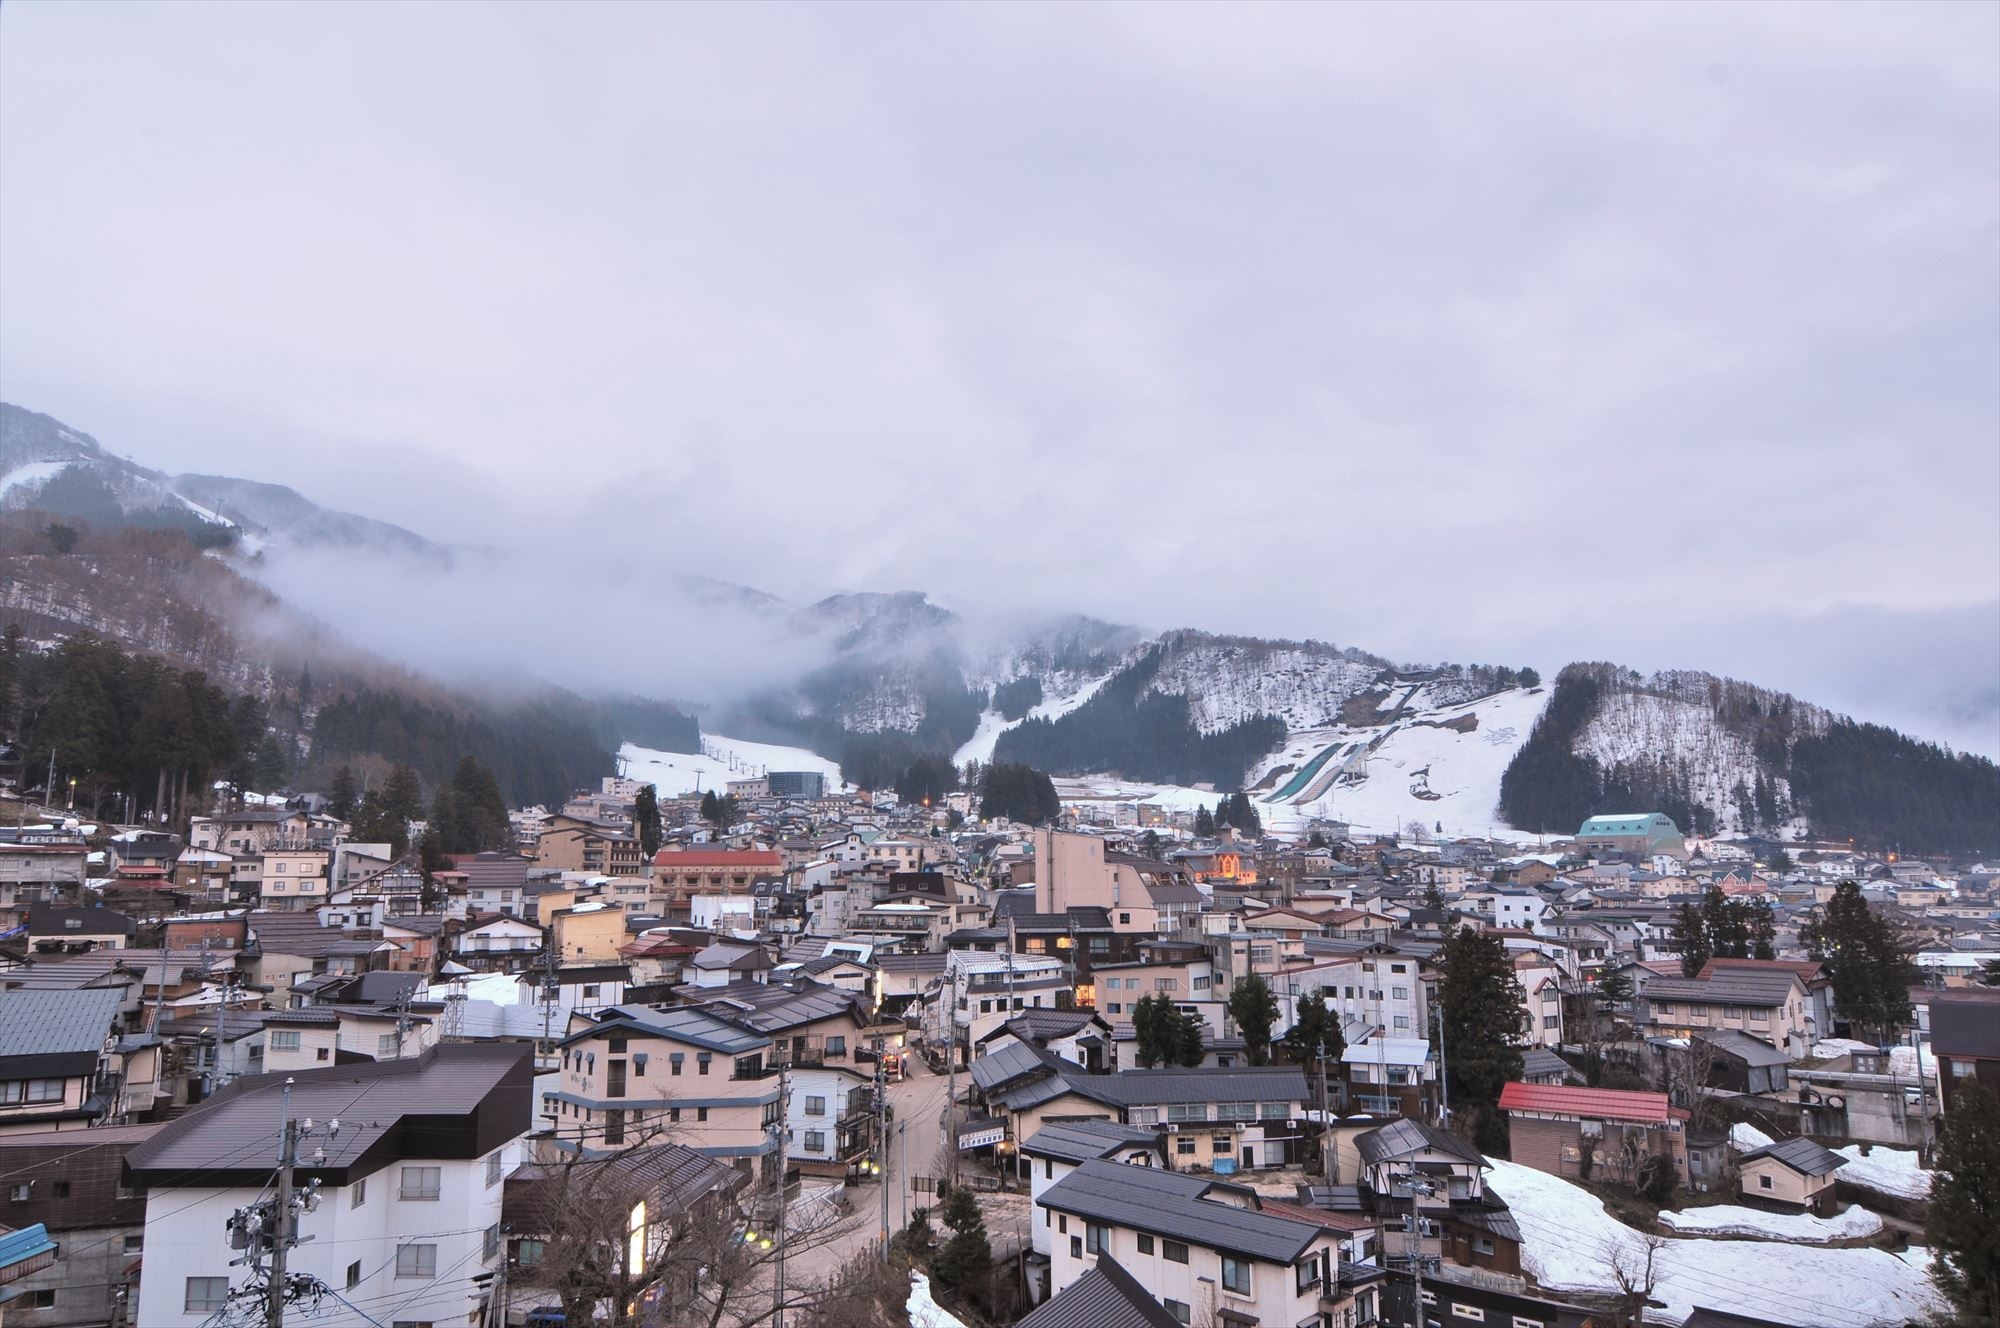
point(1721, 755)
point(1141, 734)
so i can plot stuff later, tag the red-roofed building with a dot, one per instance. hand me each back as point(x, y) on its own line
point(1592, 1132)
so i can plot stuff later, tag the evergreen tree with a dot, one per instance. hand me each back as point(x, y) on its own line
point(1186, 1035)
point(1868, 961)
point(963, 1267)
point(403, 795)
point(1018, 793)
point(1254, 1011)
point(10, 678)
point(1204, 822)
point(432, 859)
point(1762, 924)
point(1481, 1007)
point(1148, 1035)
point(926, 780)
point(1314, 1033)
point(342, 796)
point(1315, 840)
point(445, 831)
point(1963, 1228)
point(482, 812)
point(376, 822)
point(720, 810)
point(1434, 897)
point(1690, 938)
point(272, 768)
point(646, 817)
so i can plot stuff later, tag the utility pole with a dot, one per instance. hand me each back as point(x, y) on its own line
point(1444, 1071)
point(882, 1139)
point(951, 1075)
point(286, 1224)
point(778, 1266)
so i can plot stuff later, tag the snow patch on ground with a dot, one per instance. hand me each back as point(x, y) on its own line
point(1570, 1243)
point(1748, 1138)
point(1793, 1228)
point(924, 1311)
point(1886, 1170)
point(1828, 1048)
point(679, 774)
point(992, 723)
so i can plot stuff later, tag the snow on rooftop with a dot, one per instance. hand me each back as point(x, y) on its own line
point(1569, 1243)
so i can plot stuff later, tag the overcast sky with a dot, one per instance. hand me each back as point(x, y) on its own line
point(1664, 334)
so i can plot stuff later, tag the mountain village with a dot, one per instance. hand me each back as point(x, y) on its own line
point(756, 1055)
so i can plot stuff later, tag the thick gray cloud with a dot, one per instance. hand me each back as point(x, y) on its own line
point(1475, 330)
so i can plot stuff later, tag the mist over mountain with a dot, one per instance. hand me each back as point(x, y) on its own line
point(874, 680)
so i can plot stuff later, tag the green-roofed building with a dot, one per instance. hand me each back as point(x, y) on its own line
point(1641, 834)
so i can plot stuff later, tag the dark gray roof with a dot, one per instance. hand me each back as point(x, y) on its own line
point(1003, 1066)
point(56, 1023)
point(770, 1007)
point(1080, 1141)
point(1172, 1205)
point(1268, 1083)
point(51, 920)
point(695, 1027)
point(1752, 1051)
point(456, 1100)
point(1041, 1025)
point(1966, 1026)
point(1407, 1136)
point(1729, 987)
point(1703, 1317)
point(1801, 1155)
point(1106, 1296)
point(1540, 1062)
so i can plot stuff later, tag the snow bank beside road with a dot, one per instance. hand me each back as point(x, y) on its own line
point(1888, 1170)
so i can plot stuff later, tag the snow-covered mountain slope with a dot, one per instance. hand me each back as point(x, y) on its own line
point(679, 774)
point(1229, 679)
point(46, 464)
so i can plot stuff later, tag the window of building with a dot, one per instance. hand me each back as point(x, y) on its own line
point(815, 1141)
point(134, 1244)
point(1235, 1275)
point(385, 1045)
point(59, 1189)
point(1184, 1146)
point(20, 1193)
point(1145, 1243)
point(614, 1127)
point(416, 1260)
point(1469, 1313)
point(528, 1253)
point(322, 1054)
point(675, 1060)
point(493, 1172)
point(1179, 1309)
point(1173, 1251)
point(357, 1194)
point(1481, 1245)
point(354, 1275)
point(815, 1106)
point(1763, 1182)
point(1523, 1321)
point(205, 1295)
point(701, 1113)
point(702, 1062)
point(1400, 993)
point(1097, 1238)
point(284, 1039)
point(421, 1182)
point(491, 1245)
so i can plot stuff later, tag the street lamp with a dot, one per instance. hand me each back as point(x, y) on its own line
point(72, 792)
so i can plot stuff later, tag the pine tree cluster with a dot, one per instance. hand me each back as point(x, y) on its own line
point(1018, 793)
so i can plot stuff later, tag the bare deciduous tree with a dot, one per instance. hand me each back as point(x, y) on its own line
point(1635, 1266)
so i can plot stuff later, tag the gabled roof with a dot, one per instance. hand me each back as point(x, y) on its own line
point(697, 1028)
point(1106, 1296)
point(1173, 1205)
point(1590, 1103)
point(1080, 1141)
point(1404, 1137)
point(1042, 1025)
point(1734, 986)
point(1752, 1051)
point(1801, 1155)
point(57, 1023)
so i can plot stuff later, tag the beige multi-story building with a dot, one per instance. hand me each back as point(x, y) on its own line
point(633, 1075)
point(588, 933)
point(1768, 1005)
point(570, 843)
point(294, 880)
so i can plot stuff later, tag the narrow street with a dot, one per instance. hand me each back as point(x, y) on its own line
point(917, 1147)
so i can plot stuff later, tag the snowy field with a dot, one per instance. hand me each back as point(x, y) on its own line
point(678, 774)
point(992, 723)
point(1794, 1228)
point(924, 1311)
point(1570, 1243)
point(31, 474)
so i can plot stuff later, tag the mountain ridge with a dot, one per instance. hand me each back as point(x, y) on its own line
point(879, 678)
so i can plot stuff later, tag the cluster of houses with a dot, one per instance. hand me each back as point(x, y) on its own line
point(734, 1012)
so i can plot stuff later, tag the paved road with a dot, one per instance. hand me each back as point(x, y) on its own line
point(917, 1139)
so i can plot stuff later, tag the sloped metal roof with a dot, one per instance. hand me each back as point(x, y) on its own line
point(1172, 1205)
